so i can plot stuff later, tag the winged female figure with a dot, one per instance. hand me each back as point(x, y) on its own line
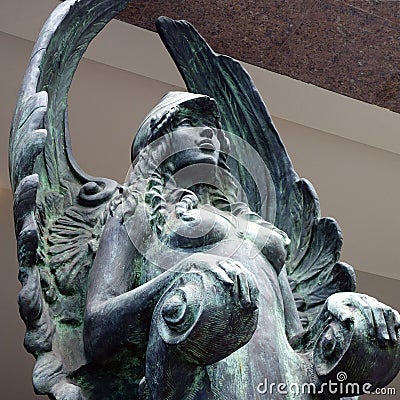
point(190, 281)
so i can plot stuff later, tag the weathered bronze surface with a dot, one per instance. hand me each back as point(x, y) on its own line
point(209, 274)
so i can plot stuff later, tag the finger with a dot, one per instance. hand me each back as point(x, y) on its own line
point(180, 209)
point(235, 268)
point(235, 264)
point(342, 307)
point(390, 324)
point(396, 316)
point(253, 289)
point(254, 293)
point(230, 269)
point(220, 273)
point(244, 291)
point(367, 304)
point(382, 333)
point(396, 319)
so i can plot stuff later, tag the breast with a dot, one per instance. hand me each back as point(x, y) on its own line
point(267, 239)
point(197, 228)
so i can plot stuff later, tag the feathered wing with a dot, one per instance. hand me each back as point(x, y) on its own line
point(313, 268)
point(59, 210)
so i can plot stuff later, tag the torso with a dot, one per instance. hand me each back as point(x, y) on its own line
point(223, 235)
point(205, 233)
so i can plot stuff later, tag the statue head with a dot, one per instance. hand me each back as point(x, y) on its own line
point(181, 111)
point(183, 134)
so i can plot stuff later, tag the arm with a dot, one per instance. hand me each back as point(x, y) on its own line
point(114, 314)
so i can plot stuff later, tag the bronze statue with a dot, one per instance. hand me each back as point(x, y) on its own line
point(209, 274)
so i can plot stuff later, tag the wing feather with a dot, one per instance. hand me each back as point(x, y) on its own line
point(315, 242)
point(59, 209)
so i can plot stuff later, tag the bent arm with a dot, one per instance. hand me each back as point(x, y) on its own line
point(116, 315)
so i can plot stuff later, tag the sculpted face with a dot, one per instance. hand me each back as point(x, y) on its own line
point(194, 141)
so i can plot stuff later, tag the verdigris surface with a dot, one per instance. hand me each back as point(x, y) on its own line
point(209, 274)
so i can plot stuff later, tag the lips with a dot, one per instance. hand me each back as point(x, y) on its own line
point(206, 144)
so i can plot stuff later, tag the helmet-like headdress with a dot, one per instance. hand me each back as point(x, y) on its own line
point(163, 113)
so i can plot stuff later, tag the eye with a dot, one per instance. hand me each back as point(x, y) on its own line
point(328, 342)
point(185, 122)
point(330, 348)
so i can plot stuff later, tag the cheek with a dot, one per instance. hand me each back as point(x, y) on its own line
point(184, 157)
point(182, 143)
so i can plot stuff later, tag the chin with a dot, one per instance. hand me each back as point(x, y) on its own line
point(192, 159)
point(206, 157)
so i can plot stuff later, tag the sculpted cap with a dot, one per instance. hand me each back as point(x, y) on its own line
point(170, 102)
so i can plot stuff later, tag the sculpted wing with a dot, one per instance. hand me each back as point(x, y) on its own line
point(313, 268)
point(59, 210)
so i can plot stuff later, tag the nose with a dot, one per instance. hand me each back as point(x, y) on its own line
point(207, 132)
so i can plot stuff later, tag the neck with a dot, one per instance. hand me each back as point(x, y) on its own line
point(199, 180)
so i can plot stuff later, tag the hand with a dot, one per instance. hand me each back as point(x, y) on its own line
point(233, 275)
point(382, 321)
point(211, 292)
point(242, 282)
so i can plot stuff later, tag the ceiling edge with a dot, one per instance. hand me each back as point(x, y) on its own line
point(140, 51)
